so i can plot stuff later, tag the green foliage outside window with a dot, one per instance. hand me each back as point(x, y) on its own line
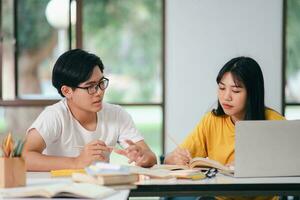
point(32, 25)
point(292, 52)
point(127, 36)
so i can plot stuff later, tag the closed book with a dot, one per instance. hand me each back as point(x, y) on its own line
point(106, 179)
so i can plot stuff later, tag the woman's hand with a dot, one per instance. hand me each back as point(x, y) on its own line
point(93, 151)
point(178, 157)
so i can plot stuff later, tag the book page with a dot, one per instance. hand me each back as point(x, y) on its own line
point(170, 167)
point(206, 162)
point(31, 191)
point(83, 190)
point(155, 173)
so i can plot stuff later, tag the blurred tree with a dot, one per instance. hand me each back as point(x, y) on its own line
point(33, 27)
point(292, 68)
point(128, 36)
point(293, 37)
point(36, 41)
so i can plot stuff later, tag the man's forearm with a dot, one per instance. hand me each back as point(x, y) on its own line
point(39, 162)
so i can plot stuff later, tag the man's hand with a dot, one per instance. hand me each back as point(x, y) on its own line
point(93, 151)
point(138, 153)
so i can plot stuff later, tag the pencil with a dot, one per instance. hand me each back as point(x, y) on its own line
point(78, 147)
point(173, 140)
point(177, 145)
point(81, 147)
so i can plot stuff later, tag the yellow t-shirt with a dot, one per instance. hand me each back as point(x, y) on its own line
point(213, 137)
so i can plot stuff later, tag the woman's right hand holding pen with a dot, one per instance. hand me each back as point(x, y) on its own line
point(178, 157)
point(93, 151)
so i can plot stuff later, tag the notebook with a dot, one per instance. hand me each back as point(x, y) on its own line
point(267, 148)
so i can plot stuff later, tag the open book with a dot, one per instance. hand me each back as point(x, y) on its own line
point(208, 163)
point(199, 162)
point(77, 190)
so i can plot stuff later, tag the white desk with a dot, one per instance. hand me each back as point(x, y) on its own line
point(220, 185)
point(41, 178)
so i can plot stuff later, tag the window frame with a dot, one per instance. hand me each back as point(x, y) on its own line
point(1, 52)
point(284, 59)
point(283, 64)
point(19, 102)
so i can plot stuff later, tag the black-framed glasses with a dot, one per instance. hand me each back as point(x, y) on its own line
point(211, 172)
point(103, 84)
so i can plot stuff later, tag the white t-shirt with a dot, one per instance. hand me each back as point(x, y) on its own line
point(63, 134)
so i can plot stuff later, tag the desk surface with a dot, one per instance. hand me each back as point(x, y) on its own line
point(44, 178)
point(220, 185)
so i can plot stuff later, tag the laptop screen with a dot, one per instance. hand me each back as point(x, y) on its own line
point(267, 148)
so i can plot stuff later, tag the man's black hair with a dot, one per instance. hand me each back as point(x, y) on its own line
point(74, 67)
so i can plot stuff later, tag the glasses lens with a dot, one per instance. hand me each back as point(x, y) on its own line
point(93, 89)
point(103, 84)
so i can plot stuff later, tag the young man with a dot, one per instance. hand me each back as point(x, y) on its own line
point(81, 128)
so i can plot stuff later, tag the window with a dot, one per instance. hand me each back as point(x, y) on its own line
point(292, 60)
point(126, 34)
point(36, 33)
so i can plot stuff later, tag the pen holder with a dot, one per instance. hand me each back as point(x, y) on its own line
point(12, 172)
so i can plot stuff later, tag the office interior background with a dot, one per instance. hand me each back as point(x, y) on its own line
point(161, 56)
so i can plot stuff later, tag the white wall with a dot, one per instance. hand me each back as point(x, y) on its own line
point(201, 36)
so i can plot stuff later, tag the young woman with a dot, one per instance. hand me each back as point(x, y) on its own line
point(240, 97)
point(81, 128)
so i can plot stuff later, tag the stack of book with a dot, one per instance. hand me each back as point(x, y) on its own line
point(106, 174)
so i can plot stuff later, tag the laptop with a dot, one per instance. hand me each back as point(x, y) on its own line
point(267, 148)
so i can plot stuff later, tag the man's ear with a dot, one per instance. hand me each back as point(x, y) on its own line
point(66, 91)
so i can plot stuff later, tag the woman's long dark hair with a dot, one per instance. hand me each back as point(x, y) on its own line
point(247, 71)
